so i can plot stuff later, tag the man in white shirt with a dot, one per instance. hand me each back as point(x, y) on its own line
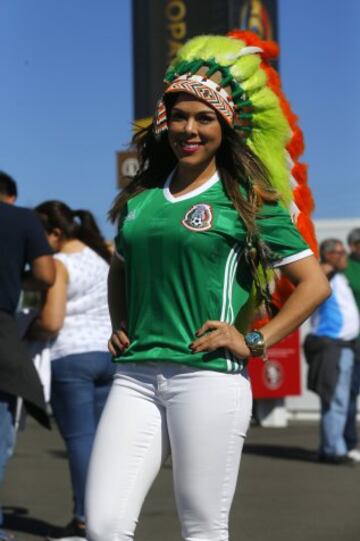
point(330, 353)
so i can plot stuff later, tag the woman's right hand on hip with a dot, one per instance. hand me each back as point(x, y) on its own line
point(118, 342)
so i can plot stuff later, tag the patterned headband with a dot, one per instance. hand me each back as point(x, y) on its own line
point(204, 89)
point(233, 108)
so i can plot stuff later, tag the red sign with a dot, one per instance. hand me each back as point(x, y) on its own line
point(279, 376)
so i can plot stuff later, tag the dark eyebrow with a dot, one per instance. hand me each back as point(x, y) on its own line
point(201, 112)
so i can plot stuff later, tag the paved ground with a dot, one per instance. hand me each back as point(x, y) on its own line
point(283, 493)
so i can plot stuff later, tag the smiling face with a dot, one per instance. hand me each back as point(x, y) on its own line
point(195, 132)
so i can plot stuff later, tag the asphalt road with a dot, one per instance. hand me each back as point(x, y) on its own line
point(283, 494)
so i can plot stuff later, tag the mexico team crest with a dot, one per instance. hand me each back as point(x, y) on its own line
point(198, 218)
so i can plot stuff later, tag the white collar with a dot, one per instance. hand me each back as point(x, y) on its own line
point(193, 193)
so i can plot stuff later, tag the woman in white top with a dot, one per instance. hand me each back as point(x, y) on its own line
point(75, 315)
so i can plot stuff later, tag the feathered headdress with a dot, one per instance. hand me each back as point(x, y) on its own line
point(233, 74)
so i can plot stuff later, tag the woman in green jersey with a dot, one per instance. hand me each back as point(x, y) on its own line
point(203, 221)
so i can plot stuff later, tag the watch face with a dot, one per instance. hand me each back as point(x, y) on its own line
point(253, 338)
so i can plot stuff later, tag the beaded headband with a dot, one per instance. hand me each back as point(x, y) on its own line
point(195, 78)
point(202, 88)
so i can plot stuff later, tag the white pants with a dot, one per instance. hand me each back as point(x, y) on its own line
point(200, 416)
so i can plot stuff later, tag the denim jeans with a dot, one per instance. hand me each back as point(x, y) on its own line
point(334, 415)
point(7, 433)
point(79, 388)
point(351, 436)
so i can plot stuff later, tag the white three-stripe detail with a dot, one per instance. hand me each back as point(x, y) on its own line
point(227, 312)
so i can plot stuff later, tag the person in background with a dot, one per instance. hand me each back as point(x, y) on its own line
point(75, 316)
point(352, 273)
point(330, 353)
point(22, 243)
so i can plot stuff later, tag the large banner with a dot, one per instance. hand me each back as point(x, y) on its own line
point(160, 27)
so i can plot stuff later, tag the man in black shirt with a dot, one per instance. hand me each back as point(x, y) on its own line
point(22, 242)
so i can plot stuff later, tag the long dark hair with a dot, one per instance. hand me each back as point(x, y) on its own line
point(73, 224)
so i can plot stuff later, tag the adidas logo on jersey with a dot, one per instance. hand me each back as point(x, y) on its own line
point(130, 216)
point(198, 218)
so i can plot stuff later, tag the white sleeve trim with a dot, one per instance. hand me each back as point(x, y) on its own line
point(292, 258)
point(119, 256)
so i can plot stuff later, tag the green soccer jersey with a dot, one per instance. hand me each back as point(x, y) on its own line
point(184, 265)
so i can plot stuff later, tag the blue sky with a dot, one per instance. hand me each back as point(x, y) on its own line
point(66, 97)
